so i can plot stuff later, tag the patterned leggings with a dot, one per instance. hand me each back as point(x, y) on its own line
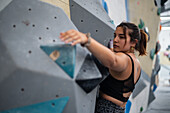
point(106, 106)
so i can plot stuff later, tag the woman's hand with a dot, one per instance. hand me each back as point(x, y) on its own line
point(73, 36)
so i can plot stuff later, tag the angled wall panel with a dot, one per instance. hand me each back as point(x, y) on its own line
point(139, 87)
point(89, 76)
point(90, 16)
point(51, 106)
point(140, 95)
point(28, 75)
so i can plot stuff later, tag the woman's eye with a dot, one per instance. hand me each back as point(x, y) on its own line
point(121, 37)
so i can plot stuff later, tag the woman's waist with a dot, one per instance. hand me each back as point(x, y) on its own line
point(112, 99)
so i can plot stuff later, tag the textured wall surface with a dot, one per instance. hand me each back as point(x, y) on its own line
point(91, 17)
point(36, 66)
point(63, 4)
point(147, 11)
point(117, 10)
point(29, 70)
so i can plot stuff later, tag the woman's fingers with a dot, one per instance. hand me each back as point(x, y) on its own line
point(66, 35)
point(76, 42)
point(72, 38)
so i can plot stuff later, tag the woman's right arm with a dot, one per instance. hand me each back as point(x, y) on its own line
point(112, 60)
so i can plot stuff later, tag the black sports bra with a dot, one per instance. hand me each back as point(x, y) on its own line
point(115, 88)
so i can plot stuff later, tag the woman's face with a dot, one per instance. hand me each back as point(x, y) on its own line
point(120, 43)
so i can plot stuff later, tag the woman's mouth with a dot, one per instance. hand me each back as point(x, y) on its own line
point(115, 46)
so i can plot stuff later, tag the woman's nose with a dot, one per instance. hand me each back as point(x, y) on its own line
point(115, 39)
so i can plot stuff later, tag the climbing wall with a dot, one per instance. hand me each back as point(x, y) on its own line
point(140, 96)
point(38, 72)
point(90, 16)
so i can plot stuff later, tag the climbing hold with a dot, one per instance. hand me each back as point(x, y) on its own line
point(128, 106)
point(141, 109)
point(105, 6)
point(158, 11)
point(141, 25)
point(63, 55)
point(89, 76)
point(112, 22)
point(152, 53)
point(51, 106)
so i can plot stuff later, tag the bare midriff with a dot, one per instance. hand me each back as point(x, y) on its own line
point(115, 101)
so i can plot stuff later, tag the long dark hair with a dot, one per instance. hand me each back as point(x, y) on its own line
point(135, 33)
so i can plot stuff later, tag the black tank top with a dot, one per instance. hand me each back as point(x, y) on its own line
point(115, 88)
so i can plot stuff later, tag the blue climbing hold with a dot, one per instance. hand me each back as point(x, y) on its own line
point(154, 87)
point(105, 6)
point(112, 22)
point(128, 106)
point(52, 106)
point(64, 55)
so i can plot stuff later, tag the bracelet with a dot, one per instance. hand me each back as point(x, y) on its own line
point(88, 40)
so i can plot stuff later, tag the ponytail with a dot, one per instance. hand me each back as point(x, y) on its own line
point(142, 43)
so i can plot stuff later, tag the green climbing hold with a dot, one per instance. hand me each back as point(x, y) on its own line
point(158, 11)
point(141, 109)
point(141, 25)
point(152, 53)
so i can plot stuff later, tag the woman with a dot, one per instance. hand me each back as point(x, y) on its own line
point(124, 68)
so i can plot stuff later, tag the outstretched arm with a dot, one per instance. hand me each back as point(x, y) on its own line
point(112, 60)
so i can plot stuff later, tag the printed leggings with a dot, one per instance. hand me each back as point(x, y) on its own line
point(106, 106)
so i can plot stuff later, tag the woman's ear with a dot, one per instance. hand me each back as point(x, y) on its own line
point(134, 42)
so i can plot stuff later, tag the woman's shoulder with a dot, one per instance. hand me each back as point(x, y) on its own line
point(122, 54)
point(136, 61)
point(126, 57)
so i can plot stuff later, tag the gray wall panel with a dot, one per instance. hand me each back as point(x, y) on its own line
point(89, 16)
point(33, 76)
